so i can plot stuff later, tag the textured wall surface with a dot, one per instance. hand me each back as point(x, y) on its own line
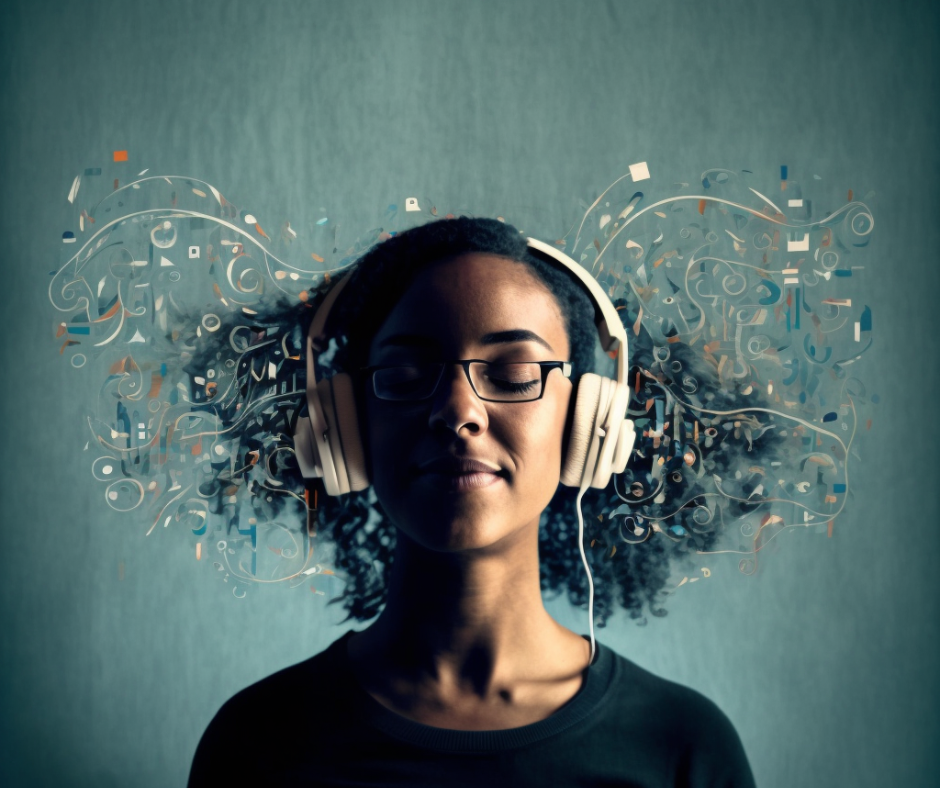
point(116, 649)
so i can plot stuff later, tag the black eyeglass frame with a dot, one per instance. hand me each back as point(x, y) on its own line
point(546, 367)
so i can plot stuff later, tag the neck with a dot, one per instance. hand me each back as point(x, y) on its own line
point(474, 617)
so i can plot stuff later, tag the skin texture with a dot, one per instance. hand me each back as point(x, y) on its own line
point(464, 641)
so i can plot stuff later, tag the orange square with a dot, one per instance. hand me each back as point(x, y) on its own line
point(120, 155)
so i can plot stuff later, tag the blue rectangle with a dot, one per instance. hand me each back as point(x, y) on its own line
point(783, 172)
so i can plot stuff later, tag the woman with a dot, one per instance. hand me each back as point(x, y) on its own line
point(465, 348)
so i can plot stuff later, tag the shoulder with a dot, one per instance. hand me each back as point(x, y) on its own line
point(276, 710)
point(280, 692)
point(697, 742)
point(662, 702)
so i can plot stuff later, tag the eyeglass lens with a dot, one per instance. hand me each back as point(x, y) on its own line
point(516, 382)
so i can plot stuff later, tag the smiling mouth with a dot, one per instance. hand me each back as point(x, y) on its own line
point(458, 475)
point(462, 482)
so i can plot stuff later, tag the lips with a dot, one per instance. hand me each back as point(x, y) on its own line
point(459, 473)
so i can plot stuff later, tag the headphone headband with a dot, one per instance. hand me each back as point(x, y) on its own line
point(612, 334)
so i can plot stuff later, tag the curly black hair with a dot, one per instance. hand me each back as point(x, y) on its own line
point(664, 488)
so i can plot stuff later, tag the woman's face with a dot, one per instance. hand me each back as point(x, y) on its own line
point(476, 306)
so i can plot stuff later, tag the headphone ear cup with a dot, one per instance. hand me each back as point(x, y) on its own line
point(332, 460)
point(582, 428)
point(610, 418)
point(625, 443)
point(347, 427)
point(305, 449)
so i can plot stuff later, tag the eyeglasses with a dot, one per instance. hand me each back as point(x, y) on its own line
point(491, 382)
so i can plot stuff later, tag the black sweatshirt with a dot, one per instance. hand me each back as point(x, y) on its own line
point(312, 724)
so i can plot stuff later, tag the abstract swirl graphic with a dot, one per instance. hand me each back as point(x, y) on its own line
point(744, 306)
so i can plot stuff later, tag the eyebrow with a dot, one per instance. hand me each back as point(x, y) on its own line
point(493, 338)
point(514, 335)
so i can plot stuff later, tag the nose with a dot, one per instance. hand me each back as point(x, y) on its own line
point(456, 406)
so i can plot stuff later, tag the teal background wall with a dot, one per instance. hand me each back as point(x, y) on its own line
point(826, 661)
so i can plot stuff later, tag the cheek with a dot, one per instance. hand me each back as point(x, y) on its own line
point(388, 439)
point(536, 442)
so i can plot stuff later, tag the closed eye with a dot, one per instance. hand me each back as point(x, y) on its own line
point(515, 378)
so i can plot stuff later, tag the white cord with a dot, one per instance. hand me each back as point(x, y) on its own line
point(584, 486)
point(586, 479)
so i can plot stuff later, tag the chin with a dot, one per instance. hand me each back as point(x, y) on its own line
point(458, 534)
point(442, 520)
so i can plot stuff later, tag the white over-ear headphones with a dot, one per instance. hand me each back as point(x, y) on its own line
point(329, 446)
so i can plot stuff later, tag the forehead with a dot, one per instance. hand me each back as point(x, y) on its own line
point(458, 300)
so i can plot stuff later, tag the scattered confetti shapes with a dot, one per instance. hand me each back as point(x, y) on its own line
point(170, 423)
point(745, 336)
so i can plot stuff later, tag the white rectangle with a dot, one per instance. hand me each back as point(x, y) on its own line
point(795, 203)
point(73, 192)
point(858, 331)
point(791, 281)
point(790, 271)
point(639, 171)
point(799, 246)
